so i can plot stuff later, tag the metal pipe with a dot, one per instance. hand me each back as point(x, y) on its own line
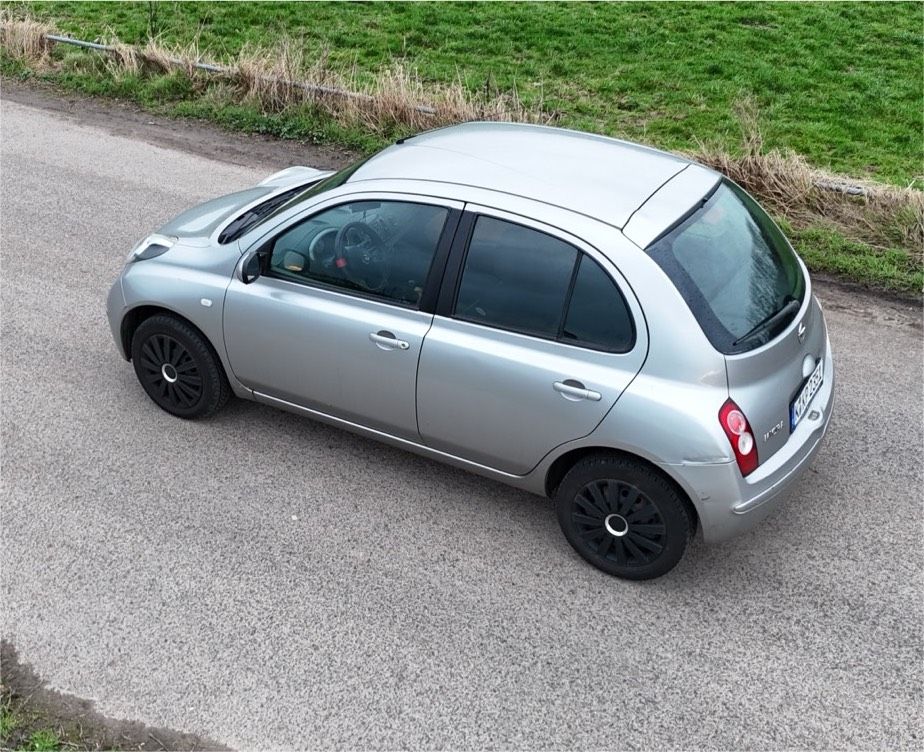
point(225, 71)
point(850, 190)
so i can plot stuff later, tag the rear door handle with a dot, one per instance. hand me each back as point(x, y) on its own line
point(575, 390)
point(387, 341)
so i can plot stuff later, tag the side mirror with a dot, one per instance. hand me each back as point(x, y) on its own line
point(251, 268)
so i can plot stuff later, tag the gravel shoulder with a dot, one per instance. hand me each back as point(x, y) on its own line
point(199, 137)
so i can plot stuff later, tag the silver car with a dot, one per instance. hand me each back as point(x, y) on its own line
point(613, 327)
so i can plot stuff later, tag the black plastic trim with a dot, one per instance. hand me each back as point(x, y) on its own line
point(563, 316)
point(446, 299)
point(431, 291)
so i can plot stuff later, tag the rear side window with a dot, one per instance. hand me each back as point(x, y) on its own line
point(526, 281)
point(515, 278)
point(597, 314)
point(735, 269)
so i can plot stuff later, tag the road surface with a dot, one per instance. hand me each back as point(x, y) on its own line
point(269, 582)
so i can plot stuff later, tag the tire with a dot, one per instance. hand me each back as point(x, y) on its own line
point(178, 368)
point(623, 517)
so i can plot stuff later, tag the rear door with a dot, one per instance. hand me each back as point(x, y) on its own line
point(533, 342)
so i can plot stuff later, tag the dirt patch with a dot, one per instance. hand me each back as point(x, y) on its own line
point(893, 309)
point(194, 136)
point(30, 707)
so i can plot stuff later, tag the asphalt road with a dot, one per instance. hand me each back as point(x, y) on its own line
point(270, 582)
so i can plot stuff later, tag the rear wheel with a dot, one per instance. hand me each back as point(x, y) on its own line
point(623, 517)
point(178, 368)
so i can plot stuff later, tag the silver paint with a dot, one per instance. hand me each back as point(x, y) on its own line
point(501, 404)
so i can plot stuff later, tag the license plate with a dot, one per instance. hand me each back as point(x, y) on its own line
point(800, 404)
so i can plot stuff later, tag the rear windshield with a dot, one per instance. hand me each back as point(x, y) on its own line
point(736, 270)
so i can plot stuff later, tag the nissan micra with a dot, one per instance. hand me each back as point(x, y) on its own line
point(611, 326)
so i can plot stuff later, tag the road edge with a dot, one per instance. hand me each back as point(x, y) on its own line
point(206, 139)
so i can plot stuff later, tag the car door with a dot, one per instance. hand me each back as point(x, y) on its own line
point(333, 322)
point(532, 343)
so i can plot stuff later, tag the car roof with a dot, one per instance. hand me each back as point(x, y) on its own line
point(593, 175)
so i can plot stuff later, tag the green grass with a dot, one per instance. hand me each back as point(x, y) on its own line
point(43, 740)
point(830, 252)
point(664, 74)
point(839, 83)
point(8, 719)
point(16, 733)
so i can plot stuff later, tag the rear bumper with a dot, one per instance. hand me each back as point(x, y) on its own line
point(729, 504)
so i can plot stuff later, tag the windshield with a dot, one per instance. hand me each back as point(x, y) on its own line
point(294, 197)
point(248, 219)
point(735, 269)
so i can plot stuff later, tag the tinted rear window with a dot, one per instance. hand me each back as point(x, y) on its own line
point(597, 315)
point(735, 269)
point(523, 280)
point(515, 278)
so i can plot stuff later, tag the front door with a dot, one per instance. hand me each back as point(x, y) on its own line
point(333, 323)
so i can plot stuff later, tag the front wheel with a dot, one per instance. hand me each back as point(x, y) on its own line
point(623, 517)
point(178, 368)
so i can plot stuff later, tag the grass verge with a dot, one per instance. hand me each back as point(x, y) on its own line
point(872, 233)
point(23, 731)
point(839, 83)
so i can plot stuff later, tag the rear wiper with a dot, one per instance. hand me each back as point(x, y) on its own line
point(791, 306)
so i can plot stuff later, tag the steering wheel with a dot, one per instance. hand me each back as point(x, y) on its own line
point(360, 255)
point(320, 244)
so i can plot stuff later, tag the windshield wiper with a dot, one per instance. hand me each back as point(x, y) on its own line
point(791, 306)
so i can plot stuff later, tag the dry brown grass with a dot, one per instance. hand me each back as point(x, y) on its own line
point(874, 213)
point(25, 40)
point(395, 97)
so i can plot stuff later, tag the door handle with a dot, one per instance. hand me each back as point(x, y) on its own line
point(575, 390)
point(387, 341)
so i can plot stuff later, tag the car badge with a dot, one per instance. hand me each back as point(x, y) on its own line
point(801, 331)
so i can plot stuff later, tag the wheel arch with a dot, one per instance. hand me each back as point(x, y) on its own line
point(561, 465)
point(136, 316)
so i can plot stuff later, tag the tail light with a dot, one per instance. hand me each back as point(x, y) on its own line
point(740, 436)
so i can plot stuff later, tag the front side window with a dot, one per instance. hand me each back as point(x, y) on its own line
point(735, 269)
point(378, 248)
point(526, 281)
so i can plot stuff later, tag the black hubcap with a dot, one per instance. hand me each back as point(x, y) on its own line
point(170, 372)
point(619, 523)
